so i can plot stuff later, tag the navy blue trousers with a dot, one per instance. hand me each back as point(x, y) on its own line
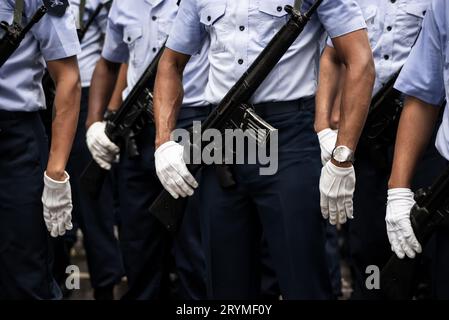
point(146, 244)
point(368, 240)
point(95, 217)
point(25, 255)
point(285, 206)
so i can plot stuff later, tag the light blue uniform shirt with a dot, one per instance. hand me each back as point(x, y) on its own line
point(53, 38)
point(240, 30)
point(137, 30)
point(92, 43)
point(426, 72)
point(392, 29)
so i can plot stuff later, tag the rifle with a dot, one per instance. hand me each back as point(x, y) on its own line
point(135, 112)
point(233, 110)
point(398, 277)
point(14, 33)
point(83, 30)
point(382, 123)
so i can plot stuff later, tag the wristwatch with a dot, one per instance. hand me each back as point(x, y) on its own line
point(343, 154)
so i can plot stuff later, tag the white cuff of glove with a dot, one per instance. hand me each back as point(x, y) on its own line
point(54, 184)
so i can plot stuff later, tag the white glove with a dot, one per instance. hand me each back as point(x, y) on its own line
point(172, 170)
point(103, 150)
point(57, 201)
point(337, 187)
point(399, 228)
point(328, 139)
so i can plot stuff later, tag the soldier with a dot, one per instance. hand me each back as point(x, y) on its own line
point(424, 79)
point(393, 28)
point(136, 31)
point(34, 187)
point(286, 203)
point(95, 216)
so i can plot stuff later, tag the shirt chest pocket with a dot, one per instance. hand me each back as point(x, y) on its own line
point(272, 17)
point(409, 21)
point(216, 22)
point(133, 37)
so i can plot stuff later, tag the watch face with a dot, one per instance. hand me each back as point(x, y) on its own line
point(342, 154)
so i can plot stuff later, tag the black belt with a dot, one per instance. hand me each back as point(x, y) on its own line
point(274, 108)
point(14, 115)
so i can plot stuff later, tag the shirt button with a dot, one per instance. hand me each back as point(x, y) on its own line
point(154, 49)
point(129, 39)
point(209, 18)
point(389, 28)
point(240, 61)
point(386, 57)
point(242, 28)
point(393, 1)
point(154, 18)
point(279, 9)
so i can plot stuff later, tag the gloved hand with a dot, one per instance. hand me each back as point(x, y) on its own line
point(328, 139)
point(57, 201)
point(399, 228)
point(103, 150)
point(172, 170)
point(337, 187)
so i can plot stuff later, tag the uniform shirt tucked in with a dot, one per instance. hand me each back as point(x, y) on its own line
point(137, 30)
point(53, 38)
point(92, 43)
point(240, 30)
point(393, 27)
point(426, 72)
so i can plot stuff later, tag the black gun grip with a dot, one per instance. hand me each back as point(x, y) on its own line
point(92, 179)
point(169, 211)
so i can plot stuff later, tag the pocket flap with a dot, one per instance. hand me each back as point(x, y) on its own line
point(212, 13)
point(273, 9)
point(131, 34)
point(418, 10)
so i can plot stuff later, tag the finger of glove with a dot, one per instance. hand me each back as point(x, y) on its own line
point(324, 204)
point(68, 221)
point(341, 210)
point(185, 174)
point(184, 186)
point(333, 212)
point(103, 164)
point(175, 187)
point(349, 205)
point(405, 246)
point(47, 220)
point(163, 178)
point(396, 246)
point(414, 244)
point(54, 230)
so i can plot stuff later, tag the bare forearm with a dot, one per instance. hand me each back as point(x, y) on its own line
point(120, 86)
point(328, 87)
point(168, 96)
point(415, 130)
point(355, 102)
point(101, 89)
point(67, 104)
